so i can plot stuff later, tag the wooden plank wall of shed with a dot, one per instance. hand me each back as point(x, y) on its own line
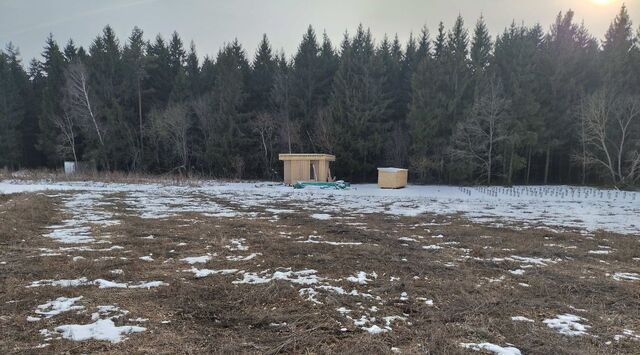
point(287, 172)
point(300, 170)
point(322, 169)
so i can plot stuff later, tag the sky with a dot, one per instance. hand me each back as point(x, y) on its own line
point(212, 23)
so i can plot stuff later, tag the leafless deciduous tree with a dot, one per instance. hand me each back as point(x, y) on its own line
point(612, 135)
point(170, 127)
point(476, 137)
point(78, 99)
point(265, 126)
point(65, 124)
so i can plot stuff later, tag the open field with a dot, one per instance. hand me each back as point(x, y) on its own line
point(260, 268)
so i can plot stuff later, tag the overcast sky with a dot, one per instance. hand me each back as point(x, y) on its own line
point(211, 23)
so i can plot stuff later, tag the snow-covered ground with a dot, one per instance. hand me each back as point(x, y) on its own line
point(554, 207)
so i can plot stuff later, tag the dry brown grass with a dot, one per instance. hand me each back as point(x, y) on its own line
point(213, 315)
point(58, 175)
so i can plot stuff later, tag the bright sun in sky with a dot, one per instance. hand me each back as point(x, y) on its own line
point(602, 2)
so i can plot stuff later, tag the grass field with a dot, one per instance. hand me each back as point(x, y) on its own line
point(116, 268)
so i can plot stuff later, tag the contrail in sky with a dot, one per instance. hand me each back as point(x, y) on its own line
point(76, 17)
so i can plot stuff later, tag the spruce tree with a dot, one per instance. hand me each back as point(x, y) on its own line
point(261, 77)
point(617, 53)
point(516, 62)
point(133, 56)
point(328, 61)
point(481, 52)
point(359, 106)
point(14, 87)
point(566, 51)
point(228, 124)
point(31, 156)
point(280, 99)
point(158, 81)
point(192, 69)
point(53, 67)
point(306, 78)
point(177, 54)
point(70, 51)
point(391, 61)
point(105, 86)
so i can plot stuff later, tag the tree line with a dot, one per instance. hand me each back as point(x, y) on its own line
point(458, 106)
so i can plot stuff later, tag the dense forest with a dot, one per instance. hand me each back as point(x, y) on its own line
point(454, 106)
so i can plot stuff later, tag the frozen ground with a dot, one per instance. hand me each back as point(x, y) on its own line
point(561, 207)
point(263, 268)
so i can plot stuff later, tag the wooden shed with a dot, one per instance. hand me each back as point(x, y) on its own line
point(392, 178)
point(306, 167)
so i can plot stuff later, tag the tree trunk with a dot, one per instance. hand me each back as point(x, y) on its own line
point(504, 160)
point(528, 164)
point(509, 176)
point(546, 164)
point(141, 126)
point(584, 152)
point(75, 157)
point(489, 169)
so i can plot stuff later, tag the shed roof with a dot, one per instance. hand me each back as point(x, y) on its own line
point(392, 170)
point(305, 156)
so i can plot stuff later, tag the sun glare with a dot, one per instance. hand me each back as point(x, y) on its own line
point(602, 2)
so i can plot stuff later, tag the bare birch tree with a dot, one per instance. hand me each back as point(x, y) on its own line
point(612, 134)
point(476, 137)
point(78, 99)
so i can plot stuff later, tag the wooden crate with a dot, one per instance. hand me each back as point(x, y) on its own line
point(392, 178)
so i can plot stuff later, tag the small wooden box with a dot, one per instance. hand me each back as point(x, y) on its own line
point(392, 178)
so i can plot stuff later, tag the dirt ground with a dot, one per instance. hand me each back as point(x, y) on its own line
point(464, 287)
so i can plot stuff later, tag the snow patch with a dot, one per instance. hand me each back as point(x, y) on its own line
point(521, 319)
point(321, 216)
point(626, 276)
point(101, 329)
point(313, 239)
point(568, 324)
point(242, 258)
point(199, 273)
point(361, 277)
point(431, 247)
point(302, 277)
point(627, 334)
point(496, 349)
point(236, 244)
point(101, 283)
point(57, 306)
point(196, 259)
